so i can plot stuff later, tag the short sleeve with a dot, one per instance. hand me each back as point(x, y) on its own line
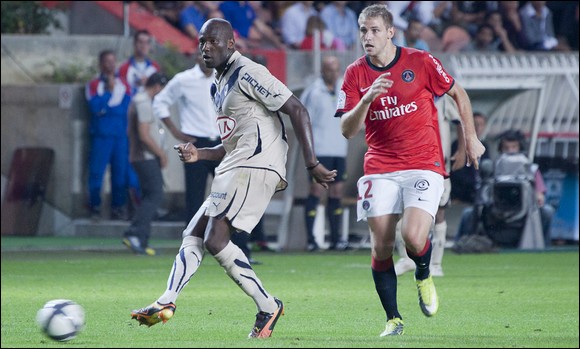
point(259, 84)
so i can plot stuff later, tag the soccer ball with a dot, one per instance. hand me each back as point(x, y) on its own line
point(61, 319)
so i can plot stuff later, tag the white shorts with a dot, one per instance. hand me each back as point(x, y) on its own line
point(391, 193)
point(242, 196)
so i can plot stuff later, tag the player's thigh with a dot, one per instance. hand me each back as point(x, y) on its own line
point(378, 195)
point(242, 195)
point(422, 191)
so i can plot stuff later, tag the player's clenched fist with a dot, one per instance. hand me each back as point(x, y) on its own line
point(187, 152)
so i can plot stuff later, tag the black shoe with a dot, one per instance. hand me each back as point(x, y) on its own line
point(312, 247)
point(340, 246)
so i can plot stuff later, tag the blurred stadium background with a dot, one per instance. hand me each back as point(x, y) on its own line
point(43, 106)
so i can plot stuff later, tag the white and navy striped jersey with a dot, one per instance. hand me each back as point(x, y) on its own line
point(247, 98)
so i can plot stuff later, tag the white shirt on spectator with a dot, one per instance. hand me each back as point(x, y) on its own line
point(344, 27)
point(422, 10)
point(321, 104)
point(191, 90)
point(293, 23)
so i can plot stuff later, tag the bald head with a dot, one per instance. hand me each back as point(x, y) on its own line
point(330, 70)
point(330, 60)
point(218, 26)
point(216, 43)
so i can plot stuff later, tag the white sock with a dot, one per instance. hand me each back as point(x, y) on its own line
point(438, 243)
point(236, 265)
point(185, 265)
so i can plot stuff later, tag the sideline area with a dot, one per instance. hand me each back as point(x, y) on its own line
point(164, 246)
point(39, 244)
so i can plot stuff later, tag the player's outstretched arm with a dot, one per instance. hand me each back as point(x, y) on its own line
point(190, 153)
point(303, 129)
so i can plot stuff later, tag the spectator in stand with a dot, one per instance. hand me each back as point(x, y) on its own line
point(538, 27)
point(404, 11)
point(326, 38)
point(271, 13)
point(470, 14)
point(139, 67)
point(484, 41)
point(342, 22)
point(441, 17)
point(412, 36)
point(565, 22)
point(249, 26)
point(357, 6)
point(466, 16)
point(454, 39)
point(293, 22)
point(191, 18)
point(168, 10)
point(502, 40)
point(512, 22)
point(194, 14)
point(440, 20)
point(108, 97)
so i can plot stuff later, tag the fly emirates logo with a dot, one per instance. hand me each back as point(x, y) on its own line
point(391, 109)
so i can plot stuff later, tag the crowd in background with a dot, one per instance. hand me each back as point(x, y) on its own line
point(444, 26)
point(439, 26)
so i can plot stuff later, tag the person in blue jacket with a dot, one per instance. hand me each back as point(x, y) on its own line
point(108, 98)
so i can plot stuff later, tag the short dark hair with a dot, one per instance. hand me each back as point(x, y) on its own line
point(156, 79)
point(512, 136)
point(105, 53)
point(139, 32)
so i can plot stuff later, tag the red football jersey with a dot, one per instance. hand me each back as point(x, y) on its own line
point(402, 128)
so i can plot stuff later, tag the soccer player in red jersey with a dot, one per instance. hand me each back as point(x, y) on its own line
point(391, 90)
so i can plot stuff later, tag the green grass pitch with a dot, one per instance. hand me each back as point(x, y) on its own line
point(491, 300)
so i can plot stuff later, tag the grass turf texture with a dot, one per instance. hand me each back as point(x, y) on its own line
point(491, 300)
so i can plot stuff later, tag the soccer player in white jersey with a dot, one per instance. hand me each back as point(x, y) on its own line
point(249, 102)
point(390, 91)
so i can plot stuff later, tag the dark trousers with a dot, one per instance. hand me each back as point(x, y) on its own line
point(196, 175)
point(151, 180)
